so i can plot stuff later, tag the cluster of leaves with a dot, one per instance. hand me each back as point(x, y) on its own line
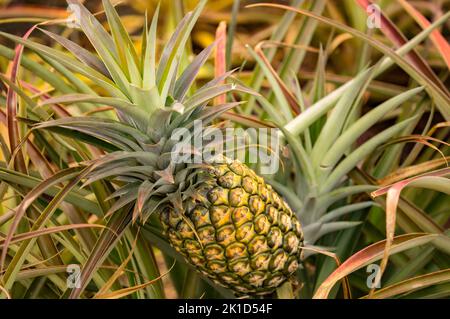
point(363, 115)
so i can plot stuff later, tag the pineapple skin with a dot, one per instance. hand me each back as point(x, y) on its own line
point(235, 229)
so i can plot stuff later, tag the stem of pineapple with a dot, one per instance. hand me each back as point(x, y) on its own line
point(285, 291)
point(190, 285)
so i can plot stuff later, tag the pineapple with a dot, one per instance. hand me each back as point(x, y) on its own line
point(222, 217)
point(236, 230)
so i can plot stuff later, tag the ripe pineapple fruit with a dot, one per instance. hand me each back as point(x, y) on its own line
point(224, 219)
point(236, 230)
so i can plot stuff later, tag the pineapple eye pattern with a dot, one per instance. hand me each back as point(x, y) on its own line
point(244, 237)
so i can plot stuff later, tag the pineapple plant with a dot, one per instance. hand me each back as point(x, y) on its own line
point(243, 231)
point(221, 216)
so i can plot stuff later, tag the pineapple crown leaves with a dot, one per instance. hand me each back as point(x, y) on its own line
point(151, 100)
point(147, 96)
point(138, 86)
point(156, 176)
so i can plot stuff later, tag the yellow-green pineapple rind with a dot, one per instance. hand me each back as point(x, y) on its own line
point(236, 230)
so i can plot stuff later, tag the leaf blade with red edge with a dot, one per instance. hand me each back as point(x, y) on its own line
point(394, 34)
point(368, 255)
